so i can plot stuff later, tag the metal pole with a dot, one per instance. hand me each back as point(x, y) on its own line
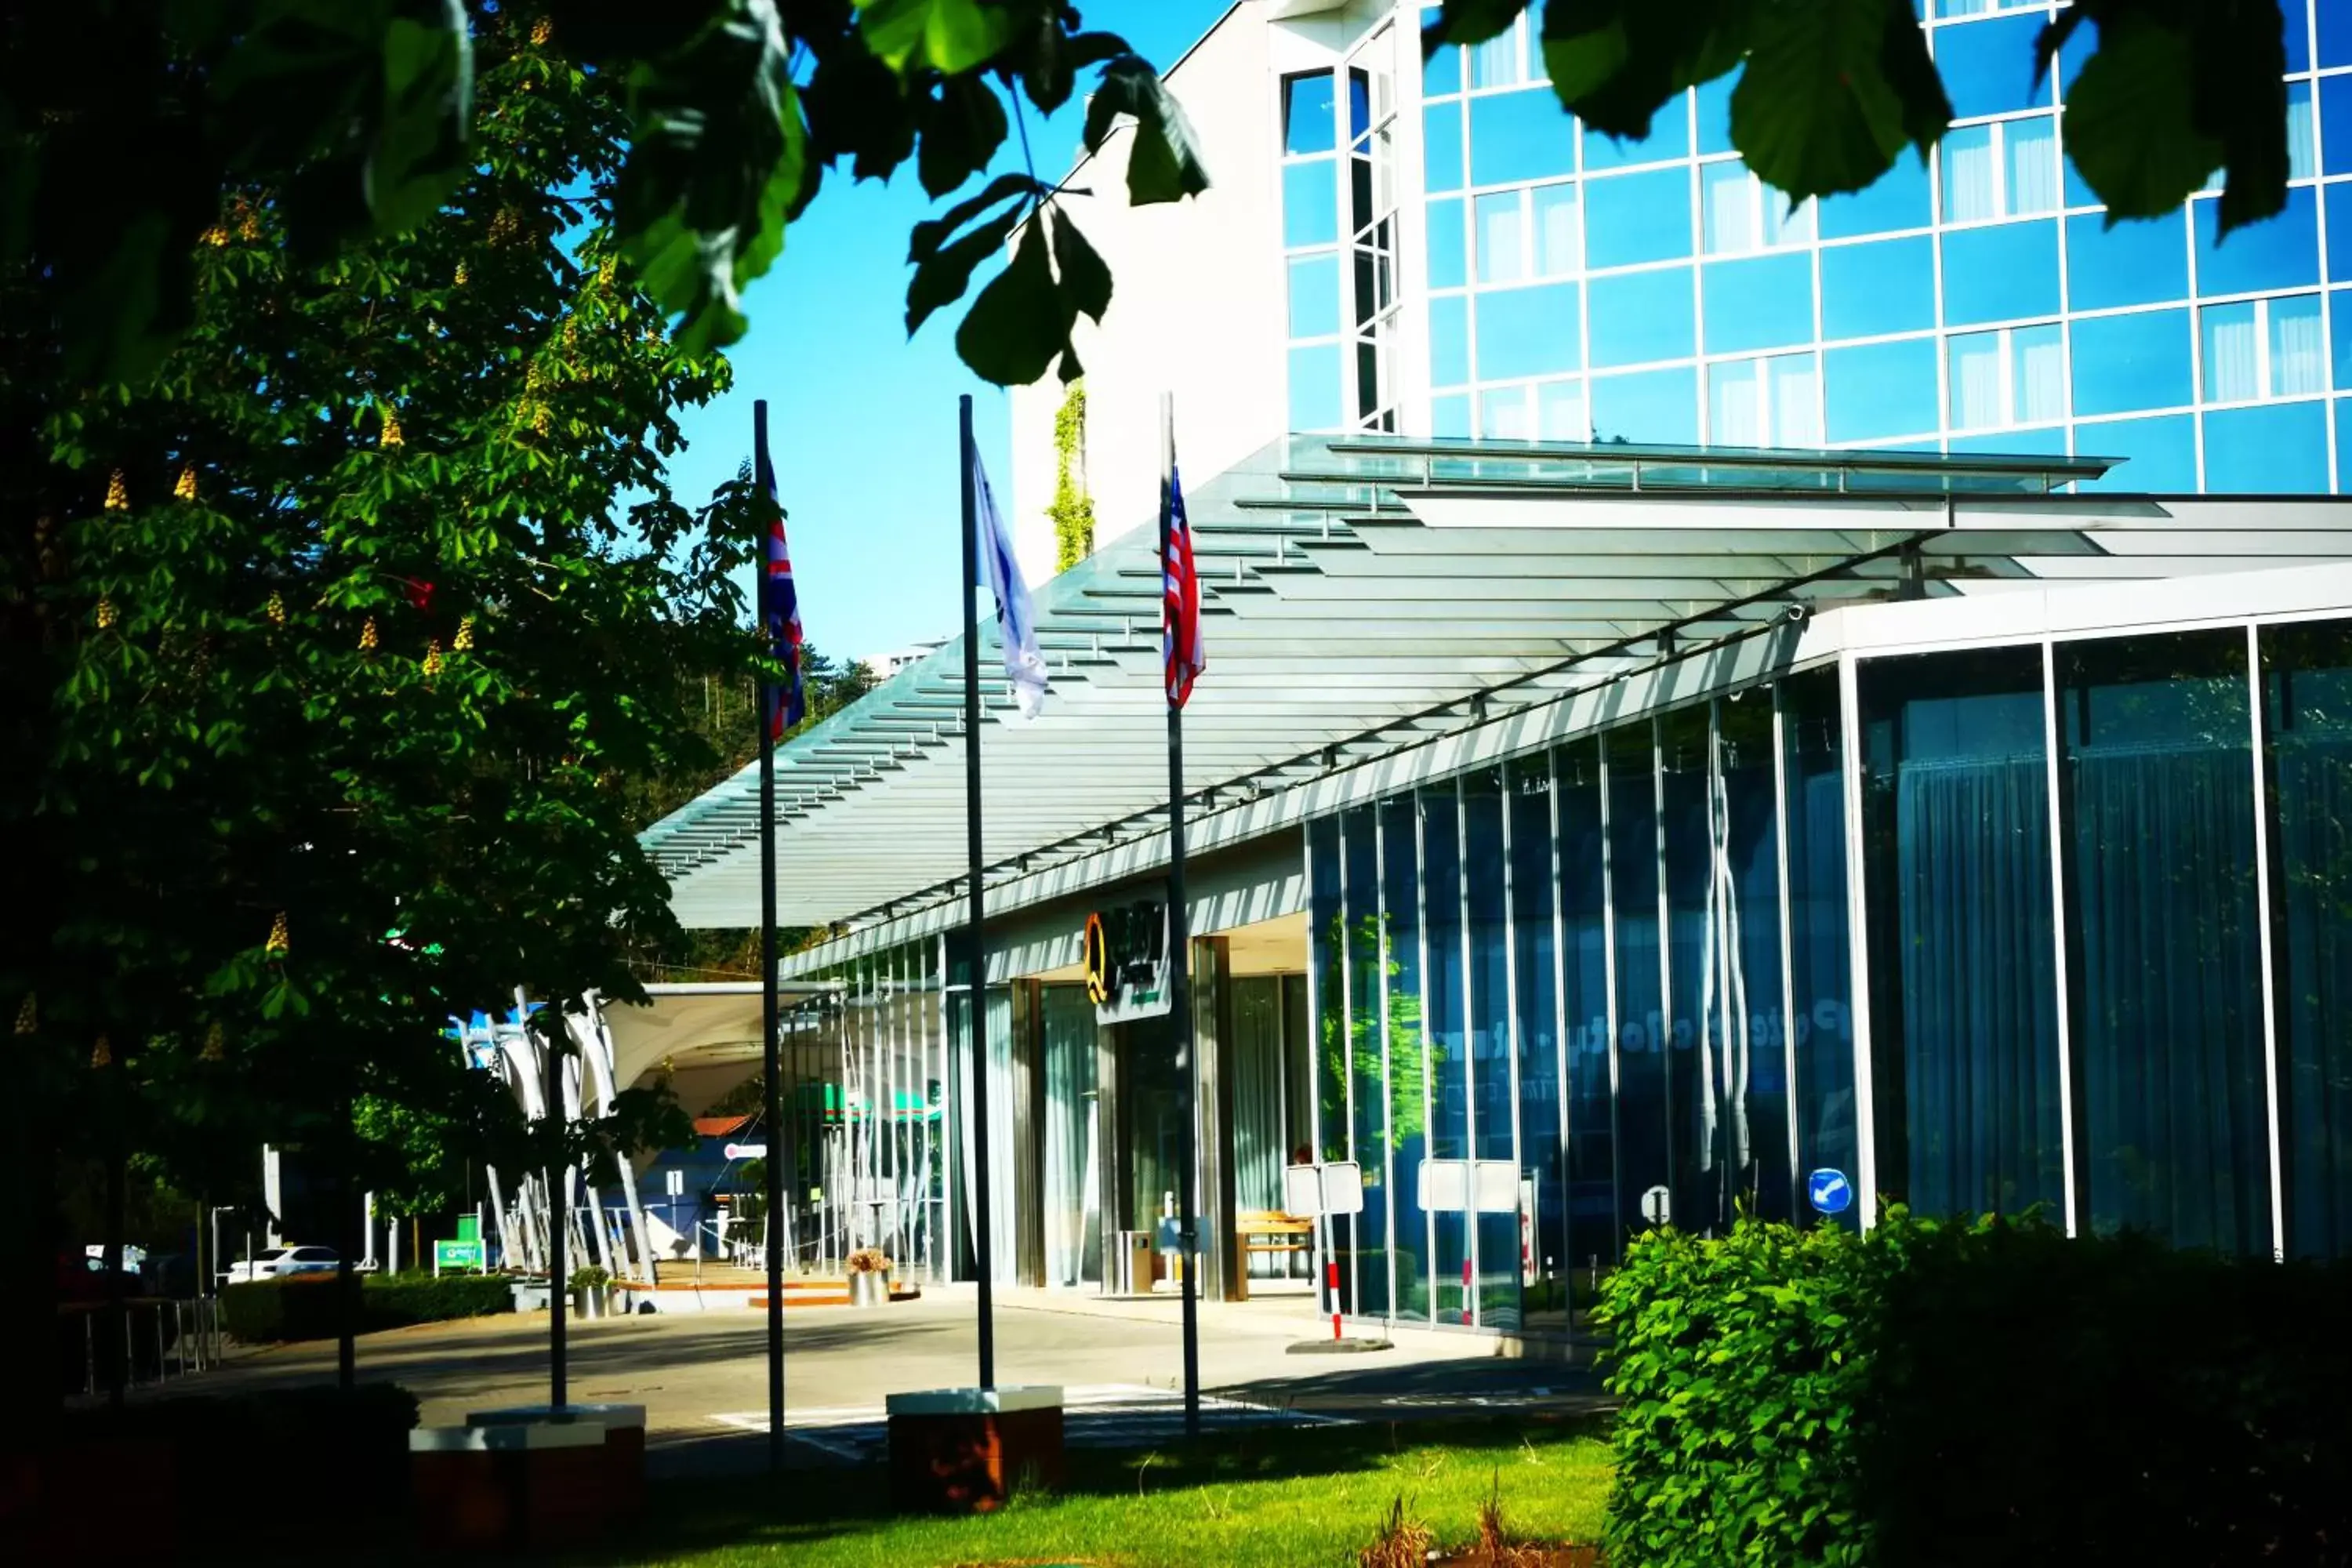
point(976, 997)
point(771, 1058)
point(1180, 967)
point(552, 1061)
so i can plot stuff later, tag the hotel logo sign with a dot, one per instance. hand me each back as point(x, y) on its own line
point(1127, 962)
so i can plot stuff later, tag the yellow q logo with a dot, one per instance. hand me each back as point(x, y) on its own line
point(1097, 962)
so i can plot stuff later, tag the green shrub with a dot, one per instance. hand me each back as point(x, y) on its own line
point(1975, 1393)
point(303, 1306)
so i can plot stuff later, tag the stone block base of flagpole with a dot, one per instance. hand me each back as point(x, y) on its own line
point(1347, 1345)
point(964, 1450)
point(521, 1488)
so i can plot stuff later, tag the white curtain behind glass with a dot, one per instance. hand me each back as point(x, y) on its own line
point(1730, 207)
point(2299, 161)
point(1976, 381)
point(1559, 411)
point(1559, 247)
point(1738, 415)
point(2232, 368)
point(2296, 365)
point(1969, 168)
point(2033, 148)
point(2040, 374)
point(1502, 244)
point(1796, 402)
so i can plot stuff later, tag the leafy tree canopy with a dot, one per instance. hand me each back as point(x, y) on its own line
point(1832, 92)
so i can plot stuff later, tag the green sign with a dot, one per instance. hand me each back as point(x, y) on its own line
point(457, 1254)
point(469, 1228)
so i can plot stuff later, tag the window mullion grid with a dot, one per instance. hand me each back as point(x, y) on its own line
point(1347, 1049)
point(1788, 944)
point(1511, 1004)
point(1857, 936)
point(1559, 1029)
point(1665, 944)
point(1388, 1181)
point(1469, 1005)
point(1428, 1068)
point(1609, 977)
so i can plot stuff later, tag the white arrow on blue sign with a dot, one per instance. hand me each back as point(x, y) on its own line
point(1829, 1190)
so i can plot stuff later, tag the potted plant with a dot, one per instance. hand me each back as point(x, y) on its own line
point(591, 1289)
point(869, 1278)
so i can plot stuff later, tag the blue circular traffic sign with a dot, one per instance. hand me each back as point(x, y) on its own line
point(1829, 1192)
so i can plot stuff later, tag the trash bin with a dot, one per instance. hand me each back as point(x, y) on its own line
point(1132, 1263)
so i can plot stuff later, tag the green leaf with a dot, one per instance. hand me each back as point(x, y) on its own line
point(1618, 62)
point(2128, 121)
point(1010, 335)
point(951, 36)
point(1832, 91)
point(941, 277)
point(932, 233)
point(1084, 279)
point(1164, 163)
point(1469, 22)
point(420, 150)
point(961, 130)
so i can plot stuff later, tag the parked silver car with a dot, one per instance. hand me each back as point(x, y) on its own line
point(279, 1260)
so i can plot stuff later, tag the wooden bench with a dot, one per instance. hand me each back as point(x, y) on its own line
point(1266, 1230)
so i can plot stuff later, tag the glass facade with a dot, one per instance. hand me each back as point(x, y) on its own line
point(2092, 887)
point(1577, 288)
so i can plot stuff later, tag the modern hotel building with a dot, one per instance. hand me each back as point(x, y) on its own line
point(1703, 700)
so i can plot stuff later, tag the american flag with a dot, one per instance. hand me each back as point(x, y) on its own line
point(780, 609)
point(1179, 591)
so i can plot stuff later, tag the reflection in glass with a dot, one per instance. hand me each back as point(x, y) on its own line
point(1502, 237)
point(1593, 1212)
point(1519, 136)
point(1899, 199)
point(1307, 123)
point(2158, 457)
point(1314, 295)
point(2134, 361)
point(1408, 1064)
point(1448, 266)
point(1315, 402)
point(1880, 391)
point(1669, 137)
point(1987, 66)
point(2278, 252)
point(2163, 946)
point(1634, 219)
point(1765, 403)
point(1868, 291)
point(1325, 949)
point(1310, 203)
point(1559, 411)
point(1762, 302)
point(1749, 1023)
point(1642, 316)
point(1444, 1003)
point(1659, 406)
point(1367, 952)
point(2278, 448)
point(1527, 332)
point(1697, 1132)
point(1963, 988)
point(1449, 341)
point(1537, 1060)
point(1073, 1149)
point(1644, 1152)
point(1503, 414)
point(2307, 742)
point(1441, 132)
point(1558, 231)
point(1492, 1136)
point(2000, 273)
point(2141, 261)
point(1820, 966)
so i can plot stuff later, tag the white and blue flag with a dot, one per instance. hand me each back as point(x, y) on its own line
point(1016, 623)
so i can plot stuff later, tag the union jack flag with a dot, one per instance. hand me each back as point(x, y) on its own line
point(780, 611)
point(1179, 591)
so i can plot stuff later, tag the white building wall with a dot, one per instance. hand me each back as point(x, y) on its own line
point(1198, 298)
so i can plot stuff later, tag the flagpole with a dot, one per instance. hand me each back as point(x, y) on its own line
point(1180, 961)
point(770, 1051)
point(976, 948)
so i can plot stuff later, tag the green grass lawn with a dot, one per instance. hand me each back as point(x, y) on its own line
point(1292, 1499)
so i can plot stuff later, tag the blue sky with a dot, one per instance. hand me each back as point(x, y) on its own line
point(862, 421)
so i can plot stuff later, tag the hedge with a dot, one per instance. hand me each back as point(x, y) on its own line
point(303, 1306)
point(1975, 1393)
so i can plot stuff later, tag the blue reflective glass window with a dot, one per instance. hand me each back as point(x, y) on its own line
point(1669, 137)
point(1449, 341)
point(2297, 14)
point(1450, 415)
point(1880, 390)
point(1642, 316)
point(1870, 289)
point(2280, 252)
point(1762, 302)
point(2136, 263)
point(1448, 266)
point(1441, 151)
point(2128, 362)
point(1520, 136)
point(2277, 449)
point(1659, 406)
point(1314, 295)
point(1632, 218)
point(1714, 112)
point(2335, 121)
point(2339, 318)
point(1899, 198)
point(1527, 332)
point(1999, 273)
point(1308, 122)
point(2339, 231)
point(1314, 387)
point(2344, 427)
point(1310, 203)
point(1559, 411)
point(1503, 415)
point(1441, 73)
point(2154, 456)
point(1987, 66)
point(2335, 33)
point(2081, 43)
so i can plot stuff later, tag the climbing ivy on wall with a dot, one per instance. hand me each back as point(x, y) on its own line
point(1073, 510)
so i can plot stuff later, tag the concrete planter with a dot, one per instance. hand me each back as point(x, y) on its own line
point(529, 1297)
point(869, 1289)
point(593, 1303)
